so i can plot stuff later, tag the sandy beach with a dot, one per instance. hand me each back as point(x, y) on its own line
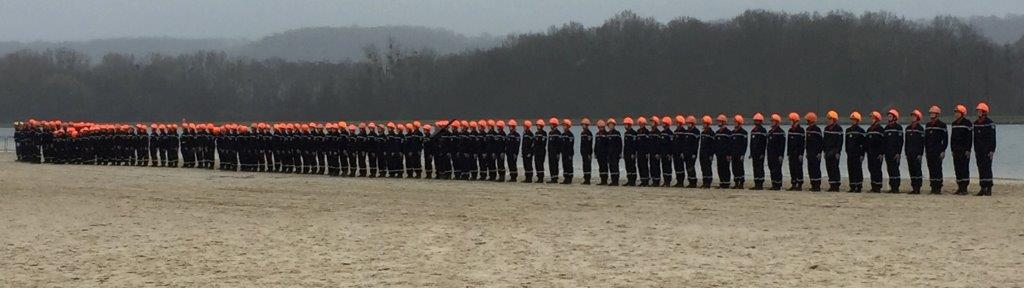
point(83, 226)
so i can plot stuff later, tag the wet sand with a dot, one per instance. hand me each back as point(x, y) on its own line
point(81, 226)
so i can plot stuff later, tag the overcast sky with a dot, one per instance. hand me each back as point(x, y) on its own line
point(29, 20)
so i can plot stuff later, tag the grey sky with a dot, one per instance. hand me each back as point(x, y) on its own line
point(29, 20)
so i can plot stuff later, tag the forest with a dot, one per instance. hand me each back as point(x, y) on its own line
point(759, 61)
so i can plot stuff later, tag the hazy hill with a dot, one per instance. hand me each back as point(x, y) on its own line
point(346, 43)
point(95, 49)
point(1002, 30)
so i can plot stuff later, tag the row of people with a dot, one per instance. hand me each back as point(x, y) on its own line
point(651, 149)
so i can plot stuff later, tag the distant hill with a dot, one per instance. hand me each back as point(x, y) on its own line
point(347, 43)
point(333, 44)
point(95, 49)
point(1002, 30)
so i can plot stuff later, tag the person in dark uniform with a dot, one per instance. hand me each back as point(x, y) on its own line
point(776, 151)
point(875, 146)
point(587, 150)
point(758, 148)
point(795, 149)
point(723, 155)
point(528, 150)
point(691, 144)
point(655, 142)
point(445, 147)
point(814, 147)
point(707, 152)
point(600, 148)
point(540, 146)
point(512, 142)
point(643, 151)
point(429, 151)
point(893, 150)
point(961, 141)
point(832, 148)
point(914, 135)
point(500, 150)
point(678, 151)
point(666, 150)
point(738, 150)
point(554, 150)
point(936, 141)
point(630, 151)
point(855, 141)
point(613, 151)
point(362, 142)
point(985, 145)
point(567, 145)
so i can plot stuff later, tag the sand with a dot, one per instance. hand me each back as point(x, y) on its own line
point(80, 226)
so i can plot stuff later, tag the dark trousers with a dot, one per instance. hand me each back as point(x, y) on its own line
point(738, 173)
point(553, 158)
point(666, 168)
point(984, 169)
point(643, 167)
point(875, 170)
point(853, 167)
point(588, 160)
point(362, 164)
point(631, 168)
point(513, 166)
point(775, 169)
point(705, 169)
point(914, 165)
point(527, 165)
point(724, 174)
point(655, 170)
point(832, 167)
point(961, 167)
point(758, 164)
point(892, 166)
point(934, 170)
point(500, 164)
point(538, 164)
point(796, 170)
point(679, 163)
point(691, 169)
point(613, 168)
point(567, 169)
point(814, 170)
point(602, 168)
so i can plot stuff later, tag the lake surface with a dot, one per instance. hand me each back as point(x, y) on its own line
point(1009, 160)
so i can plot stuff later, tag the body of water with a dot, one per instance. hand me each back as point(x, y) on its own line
point(1009, 159)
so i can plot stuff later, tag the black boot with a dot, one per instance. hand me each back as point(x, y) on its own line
point(615, 181)
point(758, 186)
point(915, 190)
point(936, 190)
point(604, 180)
point(692, 184)
point(796, 187)
point(586, 181)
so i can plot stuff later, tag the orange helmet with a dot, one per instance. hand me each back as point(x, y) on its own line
point(473, 124)
point(600, 123)
point(610, 122)
point(855, 116)
point(894, 113)
point(916, 113)
point(811, 117)
point(540, 122)
point(512, 123)
point(655, 120)
point(794, 117)
point(627, 121)
point(706, 119)
point(427, 127)
point(417, 124)
point(983, 107)
point(491, 122)
point(373, 125)
point(391, 124)
point(566, 122)
point(680, 119)
point(641, 120)
point(832, 114)
point(721, 118)
point(738, 119)
point(553, 121)
point(585, 121)
point(935, 109)
point(527, 124)
point(691, 120)
point(758, 117)
point(464, 123)
point(876, 115)
point(500, 123)
point(666, 120)
point(961, 109)
point(410, 126)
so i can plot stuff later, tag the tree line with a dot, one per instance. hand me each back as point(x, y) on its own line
point(757, 61)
